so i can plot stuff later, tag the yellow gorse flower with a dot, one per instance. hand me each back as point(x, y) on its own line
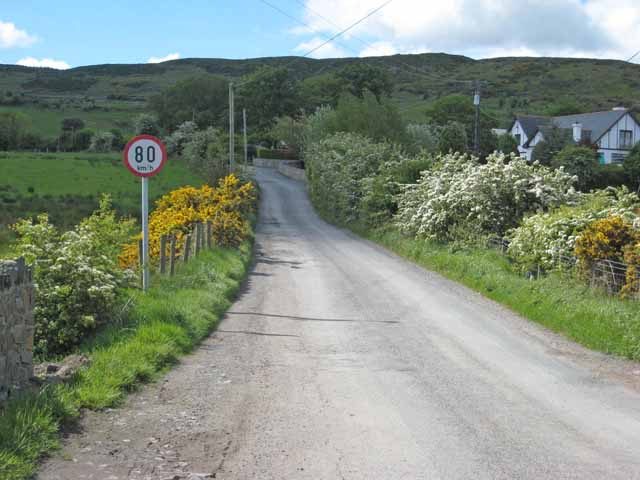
point(176, 213)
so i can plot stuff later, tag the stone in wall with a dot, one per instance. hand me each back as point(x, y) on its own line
point(16, 328)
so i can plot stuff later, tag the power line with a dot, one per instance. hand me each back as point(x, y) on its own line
point(330, 39)
point(342, 32)
point(634, 56)
point(419, 70)
point(302, 22)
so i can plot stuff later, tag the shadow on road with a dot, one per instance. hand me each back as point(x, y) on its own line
point(310, 319)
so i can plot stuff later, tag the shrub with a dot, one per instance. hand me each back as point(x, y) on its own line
point(423, 136)
point(453, 138)
point(206, 153)
point(507, 144)
point(631, 166)
point(176, 142)
point(102, 142)
point(605, 239)
point(543, 239)
point(610, 176)
point(338, 169)
point(177, 212)
point(460, 199)
point(146, 124)
point(76, 275)
point(579, 161)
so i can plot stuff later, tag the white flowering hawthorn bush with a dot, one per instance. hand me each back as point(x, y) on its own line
point(76, 276)
point(460, 199)
point(339, 169)
point(544, 239)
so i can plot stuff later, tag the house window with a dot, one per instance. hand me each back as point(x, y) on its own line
point(518, 138)
point(626, 139)
point(617, 158)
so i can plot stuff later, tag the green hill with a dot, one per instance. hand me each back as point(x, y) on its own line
point(105, 96)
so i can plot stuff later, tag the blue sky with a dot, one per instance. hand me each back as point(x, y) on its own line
point(73, 32)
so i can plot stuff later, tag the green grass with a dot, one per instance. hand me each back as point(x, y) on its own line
point(47, 121)
point(68, 186)
point(558, 301)
point(176, 314)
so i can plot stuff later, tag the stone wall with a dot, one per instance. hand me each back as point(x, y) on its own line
point(292, 169)
point(16, 327)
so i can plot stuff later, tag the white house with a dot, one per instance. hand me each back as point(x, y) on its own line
point(614, 132)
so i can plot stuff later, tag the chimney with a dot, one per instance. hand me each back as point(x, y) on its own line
point(577, 132)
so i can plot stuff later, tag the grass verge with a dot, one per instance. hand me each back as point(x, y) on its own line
point(162, 325)
point(557, 301)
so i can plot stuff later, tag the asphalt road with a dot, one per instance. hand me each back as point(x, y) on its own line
point(343, 361)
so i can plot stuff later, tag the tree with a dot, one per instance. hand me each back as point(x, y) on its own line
point(102, 142)
point(555, 139)
point(579, 161)
point(269, 93)
point(460, 109)
point(507, 144)
point(379, 121)
point(565, 107)
point(361, 77)
point(206, 152)
point(289, 131)
point(631, 165)
point(203, 99)
point(146, 124)
point(453, 138)
point(13, 127)
point(72, 124)
point(321, 90)
point(180, 137)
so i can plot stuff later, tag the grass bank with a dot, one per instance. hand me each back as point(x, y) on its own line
point(557, 301)
point(167, 322)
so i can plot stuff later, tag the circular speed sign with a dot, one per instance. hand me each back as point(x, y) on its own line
point(145, 155)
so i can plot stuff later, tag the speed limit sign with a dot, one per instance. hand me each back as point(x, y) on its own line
point(145, 155)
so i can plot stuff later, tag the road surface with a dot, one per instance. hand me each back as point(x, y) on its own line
point(342, 361)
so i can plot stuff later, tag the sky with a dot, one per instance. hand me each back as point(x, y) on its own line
point(71, 33)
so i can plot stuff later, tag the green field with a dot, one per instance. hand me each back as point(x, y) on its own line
point(47, 122)
point(68, 186)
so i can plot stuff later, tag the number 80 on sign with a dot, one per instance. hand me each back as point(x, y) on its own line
point(145, 156)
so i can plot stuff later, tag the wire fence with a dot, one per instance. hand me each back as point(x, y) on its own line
point(610, 276)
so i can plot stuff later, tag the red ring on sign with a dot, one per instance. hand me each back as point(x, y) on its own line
point(156, 140)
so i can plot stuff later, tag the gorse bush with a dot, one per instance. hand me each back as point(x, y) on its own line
point(76, 276)
point(545, 239)
point(605, 239)
point(460, 199)
point(226, 207)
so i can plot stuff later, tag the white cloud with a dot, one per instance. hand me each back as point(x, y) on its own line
point(11, 36)
point(43, 63)
point(485, 28)
point(329, 50)
point(171, 56)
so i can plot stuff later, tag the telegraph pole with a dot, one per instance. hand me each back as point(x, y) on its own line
point(476, 137)
point(232, 132)
point(244, 132)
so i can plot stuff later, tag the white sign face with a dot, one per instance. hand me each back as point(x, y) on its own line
point(145, 156)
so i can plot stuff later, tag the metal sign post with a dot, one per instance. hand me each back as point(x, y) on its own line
point(145, 156)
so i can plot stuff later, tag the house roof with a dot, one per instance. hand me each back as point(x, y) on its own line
point(531, 123)
point(599, 122)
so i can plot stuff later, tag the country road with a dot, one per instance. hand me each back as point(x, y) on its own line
point(342, 361)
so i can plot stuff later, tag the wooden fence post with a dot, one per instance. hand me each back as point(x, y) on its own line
point(198, 237)
point(209, 233)
point(172, 260)
point(187, 247)
point(163, 254)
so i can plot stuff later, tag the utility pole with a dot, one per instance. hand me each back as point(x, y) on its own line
point(476, 136)
point(232, 132)
point(244, 132)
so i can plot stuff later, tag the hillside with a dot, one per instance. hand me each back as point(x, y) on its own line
point(106, 95)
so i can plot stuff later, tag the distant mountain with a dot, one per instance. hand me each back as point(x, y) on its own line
point(527, 85)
